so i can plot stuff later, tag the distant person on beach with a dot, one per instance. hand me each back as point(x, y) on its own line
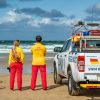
point(38, 62)
point(16, 59)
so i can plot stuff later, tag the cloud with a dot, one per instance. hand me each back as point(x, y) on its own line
point(19, 25)
point(93, 13)
point(92, 18)
point(13, 17)
point(41, 13)
point(95, 9)
point(28, 0)
point(72, 17)
point(22, 30)
point(3, 4)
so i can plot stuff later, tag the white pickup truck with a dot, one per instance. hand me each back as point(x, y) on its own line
point(79, 62)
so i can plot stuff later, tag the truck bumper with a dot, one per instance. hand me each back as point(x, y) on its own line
point(89, 86)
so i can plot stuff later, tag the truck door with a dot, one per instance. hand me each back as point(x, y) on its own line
point(63, 56)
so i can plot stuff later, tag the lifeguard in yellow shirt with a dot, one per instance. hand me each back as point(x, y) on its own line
point(16, 60)
point(38, 52)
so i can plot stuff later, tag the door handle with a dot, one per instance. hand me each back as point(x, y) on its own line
point(65, 55)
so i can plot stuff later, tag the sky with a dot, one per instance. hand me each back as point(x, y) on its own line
point(52, 19)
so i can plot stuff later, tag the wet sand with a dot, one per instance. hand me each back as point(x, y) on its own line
point(27, 63)
point(54, 92)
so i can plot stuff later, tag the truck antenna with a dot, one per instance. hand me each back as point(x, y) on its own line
point(92, 14)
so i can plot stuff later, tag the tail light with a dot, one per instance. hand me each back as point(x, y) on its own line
point(81, 63)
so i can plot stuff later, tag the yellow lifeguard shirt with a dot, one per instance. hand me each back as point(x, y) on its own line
point(38, 54)
point(19, 53)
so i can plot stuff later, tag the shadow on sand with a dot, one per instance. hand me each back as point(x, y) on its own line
point(1, 87)
point(1, 81)
point(39, 87)
point(93, 94)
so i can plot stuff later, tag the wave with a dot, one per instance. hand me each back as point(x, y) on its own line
point(26, 47)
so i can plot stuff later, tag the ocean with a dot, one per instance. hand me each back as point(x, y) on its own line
point(5, 46)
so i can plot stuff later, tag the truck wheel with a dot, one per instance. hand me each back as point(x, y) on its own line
point(72, 85)
point(57, 77)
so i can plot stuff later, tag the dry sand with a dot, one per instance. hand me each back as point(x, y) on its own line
point(54, 92)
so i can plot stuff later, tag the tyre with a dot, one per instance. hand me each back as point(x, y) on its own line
point(72, 85)
point(57, 77)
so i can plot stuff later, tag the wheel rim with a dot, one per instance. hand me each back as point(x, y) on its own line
point(70, 84)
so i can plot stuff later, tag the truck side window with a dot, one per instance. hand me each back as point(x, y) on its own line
point(64, 47)
point(68, 45)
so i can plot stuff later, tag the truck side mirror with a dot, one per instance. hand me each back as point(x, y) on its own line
point(57, 49)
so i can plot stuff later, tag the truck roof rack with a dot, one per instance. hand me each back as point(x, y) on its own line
point(82, 27)
point(88, 31)
point(93, 24)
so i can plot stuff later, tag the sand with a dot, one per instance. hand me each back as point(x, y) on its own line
point(54, 91)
